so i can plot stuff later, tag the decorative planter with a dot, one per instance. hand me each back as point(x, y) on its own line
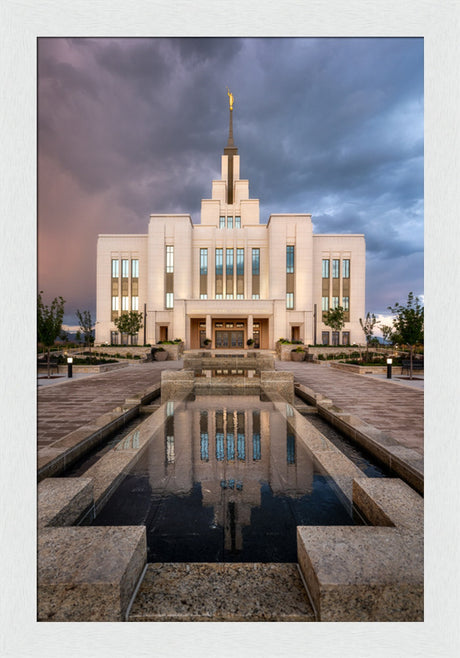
point(297, 356)
point(161, 356)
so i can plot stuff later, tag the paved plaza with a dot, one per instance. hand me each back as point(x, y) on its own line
point(69, 404)
point(394, 406)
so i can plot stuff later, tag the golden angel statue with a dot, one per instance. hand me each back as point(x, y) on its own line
point(230, 96)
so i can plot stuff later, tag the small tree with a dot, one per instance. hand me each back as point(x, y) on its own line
point(49, 322)
point(78, 336)
point(86, 326)
point(129, 323)
point(409, 324)
point(334, 318)
point(388, 334)
point(368, 327)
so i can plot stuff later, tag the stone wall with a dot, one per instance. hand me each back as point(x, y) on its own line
point(175, 351)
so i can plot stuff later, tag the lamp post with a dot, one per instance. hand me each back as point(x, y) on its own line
point(69, 366)
point(389, 362)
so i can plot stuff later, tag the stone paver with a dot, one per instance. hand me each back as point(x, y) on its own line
point(393, 408)
point(65, 407)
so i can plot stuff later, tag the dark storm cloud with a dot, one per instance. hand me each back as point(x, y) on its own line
point(333, 127)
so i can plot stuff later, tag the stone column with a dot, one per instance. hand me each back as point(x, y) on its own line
point(209, 327)
point(250, 326)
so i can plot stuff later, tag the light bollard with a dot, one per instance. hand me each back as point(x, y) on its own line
point(69, 366)
point(389, 362)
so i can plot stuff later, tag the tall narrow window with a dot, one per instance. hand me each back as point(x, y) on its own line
point(325, 268)
point(256, 273)
point(346, 268)
point(169, 259)
point(240, 262)
point(237, 222)
point(229, 222)
point(335, 268)
point(115, 263)
point(219, 261)
point(289, 259)
point(229, 273)
point(125, 268)
point(346, 303)
point(114, 303)
point(125, 303)
point(203, 273)
point(325, 304)
point(169, 277)
point(221, 222)
point(290, 277)
point(135, 268)
point(219, 273)
point(335, 302)
point(203, 261)
point(240, 273)
point(134, 303)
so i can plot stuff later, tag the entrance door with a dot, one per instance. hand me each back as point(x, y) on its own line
point(233, 339)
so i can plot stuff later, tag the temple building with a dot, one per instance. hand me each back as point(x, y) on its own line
point(231, 277)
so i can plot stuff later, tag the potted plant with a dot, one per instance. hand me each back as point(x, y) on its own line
point(160, 354)
point(207, 343)
point(250, 343)
point(298, 354)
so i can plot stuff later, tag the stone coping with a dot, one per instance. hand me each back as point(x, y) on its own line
point(88, 574)
point(368, 573)
point(328, 458)
point(84, 573)
point(405, 462)
point(251, 361)
point(55, 458)
point(63, 501)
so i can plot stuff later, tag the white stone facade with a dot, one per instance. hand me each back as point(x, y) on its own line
point(207, 280)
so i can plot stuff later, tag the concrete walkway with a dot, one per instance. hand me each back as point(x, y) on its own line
point(394, 406)
point(67, 404)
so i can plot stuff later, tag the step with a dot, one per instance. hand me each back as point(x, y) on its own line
point(221, 592)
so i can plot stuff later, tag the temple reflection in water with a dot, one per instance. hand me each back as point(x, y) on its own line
point(231, 446)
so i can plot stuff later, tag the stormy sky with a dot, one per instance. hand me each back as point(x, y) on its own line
point(327, 126)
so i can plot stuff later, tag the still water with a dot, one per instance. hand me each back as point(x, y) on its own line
point(224, 480)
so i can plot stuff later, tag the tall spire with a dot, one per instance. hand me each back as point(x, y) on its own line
point(230, 150)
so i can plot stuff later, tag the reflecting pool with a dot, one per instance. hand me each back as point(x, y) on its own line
point(225, 479)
